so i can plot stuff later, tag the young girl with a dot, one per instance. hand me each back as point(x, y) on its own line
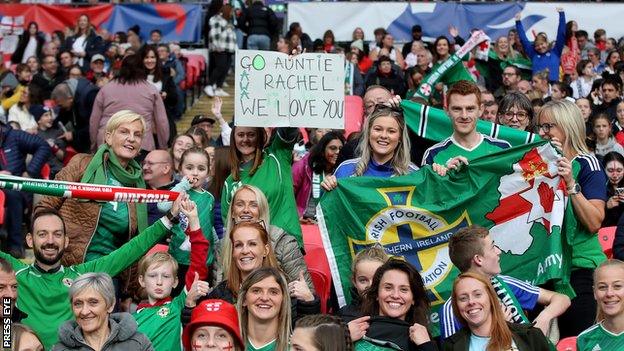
point(320, 332)
point(264, 311)
point(24, 339)
point(180, 143)
point(614, 167)
point(605, 142)
point(363, 267)
point(608, 333)
point(194, 166)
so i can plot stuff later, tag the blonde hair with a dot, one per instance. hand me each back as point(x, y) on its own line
point(401, 158)
point(500, 334)
point(608, 263)
point(375, 253)
point(157, 258)
point(263, 215)
point(121, 117)
point(284, 316)
point(568, 117)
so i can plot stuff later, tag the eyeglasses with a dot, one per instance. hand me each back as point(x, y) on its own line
point(257, 221)
point(521, 116)
point(546, 127)
point(150, 164)
point(508, 74)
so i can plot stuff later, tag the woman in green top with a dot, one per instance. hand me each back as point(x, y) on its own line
point(264, 311)
point(267, 168)
point(561, 123)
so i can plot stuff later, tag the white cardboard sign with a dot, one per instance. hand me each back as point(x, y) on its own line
point(276, 90)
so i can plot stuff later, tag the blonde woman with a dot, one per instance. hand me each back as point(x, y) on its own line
point(561, 123)
point(384, 148)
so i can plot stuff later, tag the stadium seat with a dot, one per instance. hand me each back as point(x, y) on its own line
point(45, 171)
point(567, 344)
point(69, 153)
point(322, 286)
point(606, 236)
point(1, 207)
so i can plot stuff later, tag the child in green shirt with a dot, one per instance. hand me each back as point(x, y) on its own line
point(159, 317)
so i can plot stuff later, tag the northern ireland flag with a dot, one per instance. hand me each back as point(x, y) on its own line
point(515, 193)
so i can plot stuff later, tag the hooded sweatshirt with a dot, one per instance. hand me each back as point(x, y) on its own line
point(123, 336)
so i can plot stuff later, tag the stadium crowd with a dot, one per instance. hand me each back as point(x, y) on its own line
point(101, 108)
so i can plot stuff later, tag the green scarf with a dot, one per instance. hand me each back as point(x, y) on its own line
point(131, 176)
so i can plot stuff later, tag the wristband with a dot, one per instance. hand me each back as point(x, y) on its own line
point(173, 219)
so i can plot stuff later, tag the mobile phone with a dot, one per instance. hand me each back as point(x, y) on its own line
point(619, 191)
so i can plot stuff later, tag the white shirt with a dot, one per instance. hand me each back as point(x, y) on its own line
point(31, 49)
point(79, 46)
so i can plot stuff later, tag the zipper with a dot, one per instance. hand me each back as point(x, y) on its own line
point(84, 255)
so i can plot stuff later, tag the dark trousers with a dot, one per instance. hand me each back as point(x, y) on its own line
point(582, 313)
point(15, 202)
point(222, 61)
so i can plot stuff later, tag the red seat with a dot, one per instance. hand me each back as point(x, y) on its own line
point(69, 153)
point(1, 207)
point(606, 236)
point(567, 344)
point(45, 171)
point(322, 285)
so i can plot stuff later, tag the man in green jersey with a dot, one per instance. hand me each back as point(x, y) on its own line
point(464, 107)
point(44, 285)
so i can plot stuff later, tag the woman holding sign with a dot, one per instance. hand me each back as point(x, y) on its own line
point(561, 123)
point(268, 168)
point(384, 149)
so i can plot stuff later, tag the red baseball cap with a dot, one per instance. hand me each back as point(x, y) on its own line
point(213, 312)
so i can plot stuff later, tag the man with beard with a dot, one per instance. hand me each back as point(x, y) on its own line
point(44, 285)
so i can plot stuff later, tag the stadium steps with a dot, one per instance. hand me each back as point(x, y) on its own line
point(203, 105)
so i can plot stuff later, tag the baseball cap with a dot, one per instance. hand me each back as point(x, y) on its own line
point(97, 57)
point(213, 312)
point(200, 119)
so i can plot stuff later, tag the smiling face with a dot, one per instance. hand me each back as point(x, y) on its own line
point(213, 338)
point(264, 299)
point(473, 302)
point(503, 45)
point(609, 291)
point(363, 275)
point(248, 249)
point(615, 172)
point(246, 140)
point(46, 121)
point(182, 143)
point(195, 168)
point(149, 61)
point(385, 134)
point(464, 110)
point(442, 48)
point(125, 141)
point(83, 23)
point(332, 150)
point(48, 240)
point(90, 310)
point(158, 281)
point(245, 206)
point(395, 295)
point(550, 128)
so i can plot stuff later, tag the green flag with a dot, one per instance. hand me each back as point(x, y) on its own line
point(516, 193)
point(433, 124)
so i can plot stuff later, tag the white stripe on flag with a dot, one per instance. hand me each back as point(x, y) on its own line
point(331, 259)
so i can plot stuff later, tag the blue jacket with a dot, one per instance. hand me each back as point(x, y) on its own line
point(15, 145)
point(552, 58)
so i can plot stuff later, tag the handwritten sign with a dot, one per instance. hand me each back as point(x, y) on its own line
point(275, 90)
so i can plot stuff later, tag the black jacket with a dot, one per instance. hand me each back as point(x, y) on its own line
point(93, 45)
point(351, 311)
point(385, 331)
point(618, 242)
point(46, 85)
point(18, 54)
point(526, 337)
point(80, 114)
point(258, 19)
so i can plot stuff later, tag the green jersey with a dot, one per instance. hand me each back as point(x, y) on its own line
point(274, 178)
point(597, 338)
point(449, 148)
point(112, 229)
point(268, 347)
point(161, 323)
point(179, 247)
point(44, 296)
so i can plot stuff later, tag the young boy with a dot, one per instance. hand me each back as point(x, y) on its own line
point(159, 317)
point(472, 250)
point(51, 134)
